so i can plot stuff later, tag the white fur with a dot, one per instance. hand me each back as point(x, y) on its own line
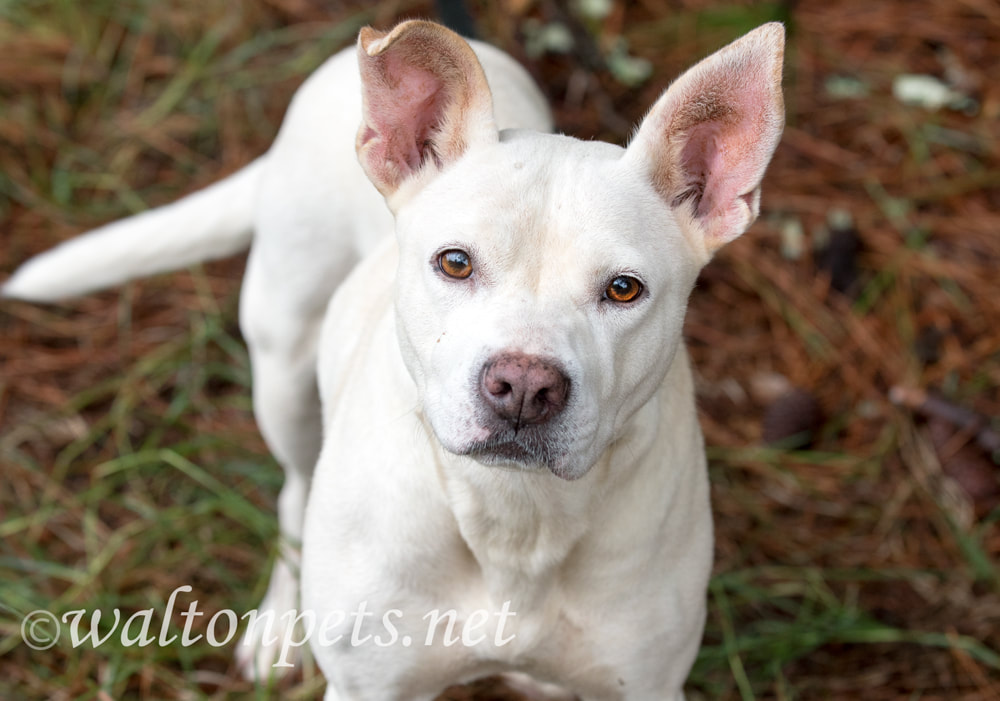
point(599, 543)
point(311, 215)
point(211, 223)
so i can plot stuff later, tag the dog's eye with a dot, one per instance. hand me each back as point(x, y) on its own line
point(623, 289)
point(455, 264)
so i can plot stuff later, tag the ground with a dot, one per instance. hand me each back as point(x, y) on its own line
point(847, 348)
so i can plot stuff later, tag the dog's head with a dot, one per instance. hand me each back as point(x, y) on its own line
point(543, 280)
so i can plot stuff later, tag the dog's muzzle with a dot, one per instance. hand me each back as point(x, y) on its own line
point(521, 399)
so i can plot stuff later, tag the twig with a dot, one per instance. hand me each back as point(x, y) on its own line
point(930, 405)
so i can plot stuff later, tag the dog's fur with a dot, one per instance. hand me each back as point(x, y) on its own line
point(501, 427)
point(310, 214)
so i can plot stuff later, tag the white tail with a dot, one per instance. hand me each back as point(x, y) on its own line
point(210, 223)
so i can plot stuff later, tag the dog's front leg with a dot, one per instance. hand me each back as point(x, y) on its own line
point(282, 345)
point(259, 651)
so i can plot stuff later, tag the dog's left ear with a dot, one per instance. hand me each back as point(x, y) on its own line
point(706, 142)
point(426, 102)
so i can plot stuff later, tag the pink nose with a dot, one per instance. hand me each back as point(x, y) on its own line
point(523, 389)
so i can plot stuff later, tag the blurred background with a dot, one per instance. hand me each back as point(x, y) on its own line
point(847, 349)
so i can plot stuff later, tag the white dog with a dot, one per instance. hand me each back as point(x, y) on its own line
point(512, 477)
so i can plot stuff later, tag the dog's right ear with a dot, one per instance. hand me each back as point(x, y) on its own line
point(426, 102)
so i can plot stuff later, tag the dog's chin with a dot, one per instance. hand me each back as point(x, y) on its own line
point(522, 456)
point(533, 449)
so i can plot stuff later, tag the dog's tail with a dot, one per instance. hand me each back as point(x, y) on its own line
point(210, 223)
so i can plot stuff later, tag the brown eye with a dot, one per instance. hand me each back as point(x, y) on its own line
point(623, 289)
point(455, 264)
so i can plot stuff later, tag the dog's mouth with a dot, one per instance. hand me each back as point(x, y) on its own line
point(520, 450)
point(494, 451)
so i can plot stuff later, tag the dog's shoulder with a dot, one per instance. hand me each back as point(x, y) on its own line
point(358, 312)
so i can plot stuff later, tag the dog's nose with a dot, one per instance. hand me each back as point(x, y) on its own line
point(524, 389)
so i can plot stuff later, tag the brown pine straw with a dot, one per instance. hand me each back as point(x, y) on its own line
point(878, 494)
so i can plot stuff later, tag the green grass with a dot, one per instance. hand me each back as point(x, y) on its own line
point(139, 503)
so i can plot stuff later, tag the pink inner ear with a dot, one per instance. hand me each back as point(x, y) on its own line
point(699, 159)
point(404, 113)
point(425, 100)
point(718, 159)
point(708, 139)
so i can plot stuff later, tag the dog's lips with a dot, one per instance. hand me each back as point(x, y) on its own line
point(506, 451)
point(528, 452)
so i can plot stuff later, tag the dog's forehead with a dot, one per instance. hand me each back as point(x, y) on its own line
point(553, 185)
point(561, 169)
point(526, 141)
